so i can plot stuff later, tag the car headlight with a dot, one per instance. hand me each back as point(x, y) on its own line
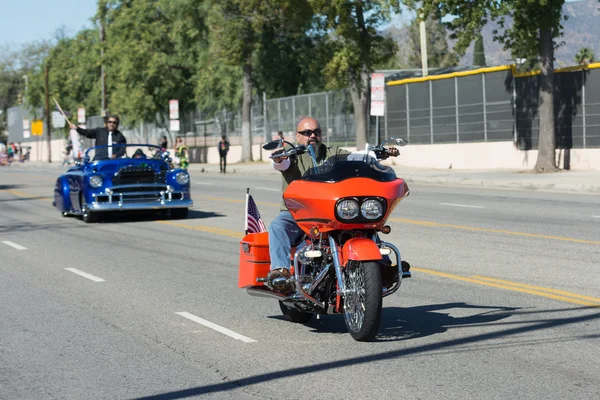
point(95, 181)
point(371, 209)
point(182, 178)
point(347, 209)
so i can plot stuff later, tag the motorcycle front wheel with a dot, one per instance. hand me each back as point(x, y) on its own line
point(362, 302)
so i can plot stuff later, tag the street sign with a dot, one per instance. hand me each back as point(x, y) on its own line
point(25, 124)
point(58, 120)
point(174, 109)
point(81, 115)
point(378, 94)
point(37, 127)
point(174, 125)
point(26, 134)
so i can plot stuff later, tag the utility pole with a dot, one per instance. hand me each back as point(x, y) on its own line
point(47, 114)
point(102, 15)
point(423, 34)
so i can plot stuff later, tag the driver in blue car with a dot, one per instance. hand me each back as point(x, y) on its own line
point(105, 136)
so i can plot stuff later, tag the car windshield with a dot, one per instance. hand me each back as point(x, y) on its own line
point(143, 151)
point(345, 166)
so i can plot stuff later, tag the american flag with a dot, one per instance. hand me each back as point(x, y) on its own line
point(254, 222)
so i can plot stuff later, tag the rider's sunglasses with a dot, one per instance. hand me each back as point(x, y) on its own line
point(112, 122)
point(308, 132)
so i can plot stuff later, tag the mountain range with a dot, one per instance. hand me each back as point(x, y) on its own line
point(581, 29)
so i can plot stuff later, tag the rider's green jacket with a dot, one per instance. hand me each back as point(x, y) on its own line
point(299, 165)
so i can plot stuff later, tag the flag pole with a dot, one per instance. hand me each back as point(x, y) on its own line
point(246, 215)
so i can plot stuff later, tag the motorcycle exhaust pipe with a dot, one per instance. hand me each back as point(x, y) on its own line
point(263, 291)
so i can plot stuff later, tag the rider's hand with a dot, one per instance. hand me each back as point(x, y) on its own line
point(278, 159)
point(71, 126)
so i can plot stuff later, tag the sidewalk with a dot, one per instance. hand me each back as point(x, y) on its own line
point(563, 181)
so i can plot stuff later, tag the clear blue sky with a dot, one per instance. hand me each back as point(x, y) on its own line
point(25, 21)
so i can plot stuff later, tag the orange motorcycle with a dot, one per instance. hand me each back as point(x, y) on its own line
point(341, 265)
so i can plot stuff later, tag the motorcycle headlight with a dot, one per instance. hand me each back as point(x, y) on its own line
point(95, 181)
point(347, 209)
point(182, 178)
point(371, 209)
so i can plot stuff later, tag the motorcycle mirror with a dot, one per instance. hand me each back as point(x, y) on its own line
point(272, 145)
point(397, 141)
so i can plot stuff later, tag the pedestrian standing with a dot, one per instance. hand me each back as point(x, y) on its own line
point(223, 150)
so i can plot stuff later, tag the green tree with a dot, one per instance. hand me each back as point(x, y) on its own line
point(152, 50)
point(585, 56)
point(241, 32)
point(11, 85)
point(479, 52)
point(535, 26)
point(439, 54)
point(357, 48)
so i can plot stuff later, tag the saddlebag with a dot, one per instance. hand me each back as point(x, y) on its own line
point(254, 259)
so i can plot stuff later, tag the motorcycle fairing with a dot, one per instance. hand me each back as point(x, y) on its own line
point(312, 204)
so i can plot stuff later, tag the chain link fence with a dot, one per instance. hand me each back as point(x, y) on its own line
point(479, 107)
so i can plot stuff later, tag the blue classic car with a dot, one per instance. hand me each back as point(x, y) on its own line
point(144, 180)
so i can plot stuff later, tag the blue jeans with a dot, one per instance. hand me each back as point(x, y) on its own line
point(283, 232)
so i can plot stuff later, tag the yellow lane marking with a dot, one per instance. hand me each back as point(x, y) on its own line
point(471, 228)
point(209, 229)
point(24, 195)
point(514, 287)
point(541, 289)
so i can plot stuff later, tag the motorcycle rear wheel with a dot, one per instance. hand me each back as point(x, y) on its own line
point(294, 314)
point(363, 301)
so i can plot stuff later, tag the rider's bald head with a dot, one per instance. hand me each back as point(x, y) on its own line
point(308, 123)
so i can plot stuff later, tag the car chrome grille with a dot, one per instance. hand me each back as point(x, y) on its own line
point(139, 194)
point(138, 175)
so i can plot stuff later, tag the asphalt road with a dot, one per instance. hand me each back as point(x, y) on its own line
point(503, 302)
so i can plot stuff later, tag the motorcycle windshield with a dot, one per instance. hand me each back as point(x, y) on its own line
point(346, 166)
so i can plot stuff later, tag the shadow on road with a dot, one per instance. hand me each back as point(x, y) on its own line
point(432, 324)
point(33, 227)
point(416, 322)
point(141, 216)
point(413, 322)
point(7, 187)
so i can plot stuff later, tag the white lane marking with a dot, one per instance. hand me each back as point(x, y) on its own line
point(595, 216)
point(461, 205)
point(16, 246)
point(85, 275)
point(216, 327)
point(204, 183)
point(269, 189)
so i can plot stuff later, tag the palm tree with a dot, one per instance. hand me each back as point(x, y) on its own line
point(585, 56)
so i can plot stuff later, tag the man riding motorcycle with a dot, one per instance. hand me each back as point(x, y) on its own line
point(284, 231)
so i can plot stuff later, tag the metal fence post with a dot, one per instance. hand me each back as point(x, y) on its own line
point(484, 108)
point(514, 96)
point(327, 115)
point(407, 113)
point(279, 128)
point(456, 109)
point(385, 116)
point(431, 111)
point(310, 105)
point(293, 112)
point(583, 103)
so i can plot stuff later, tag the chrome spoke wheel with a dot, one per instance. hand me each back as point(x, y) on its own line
point(362, 299)
point(354, 301)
